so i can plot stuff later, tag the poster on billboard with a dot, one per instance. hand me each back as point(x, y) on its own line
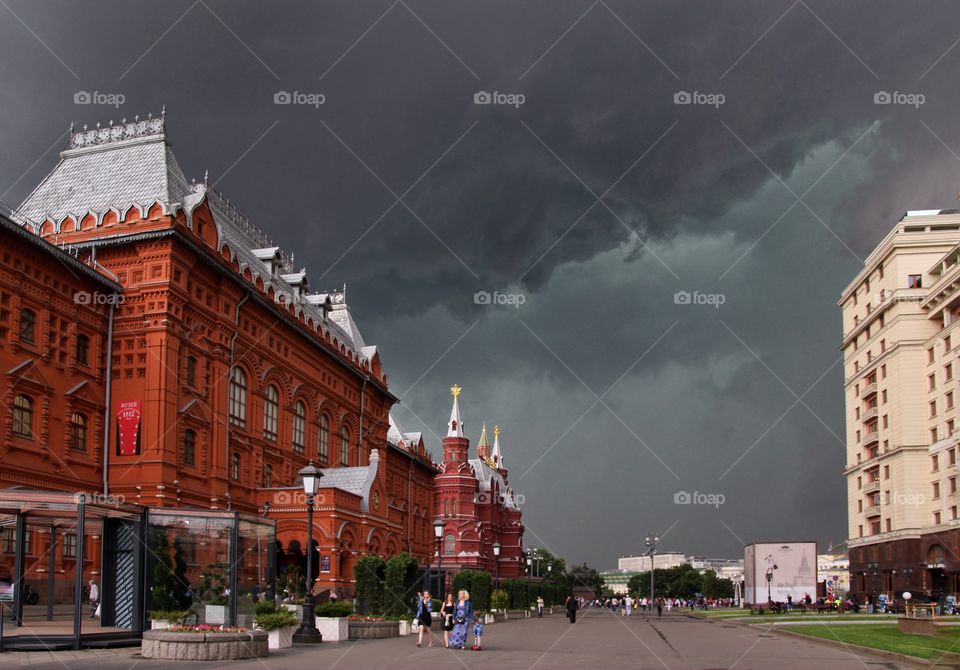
point(128, 428)
point(775, 570)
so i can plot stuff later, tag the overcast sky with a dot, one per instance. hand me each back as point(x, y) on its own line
point(587, 204)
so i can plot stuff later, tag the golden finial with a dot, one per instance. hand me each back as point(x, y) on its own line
point(496, 431)
point(455, 391)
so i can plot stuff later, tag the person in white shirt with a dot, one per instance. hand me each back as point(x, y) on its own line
point(93, 598)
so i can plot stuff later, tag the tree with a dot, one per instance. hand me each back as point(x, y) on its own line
point(183, 595)
point(369, 572)
point(715, 587)
point(584, 575)
point(163, 590)
point(400, 581)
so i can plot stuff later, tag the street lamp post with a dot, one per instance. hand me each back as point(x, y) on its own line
point(438, 534)
point(769, 580)
point(496, 564)
point(651, 543)
point(308, 633)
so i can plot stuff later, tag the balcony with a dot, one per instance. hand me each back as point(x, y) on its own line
point(869, 390)
point(868, 414)
point(870, 438)
point(871, 487)
point(873, 510)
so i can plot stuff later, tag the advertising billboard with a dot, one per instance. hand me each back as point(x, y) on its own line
point(790, 566)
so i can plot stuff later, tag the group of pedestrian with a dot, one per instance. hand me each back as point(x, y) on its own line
point(456, 616)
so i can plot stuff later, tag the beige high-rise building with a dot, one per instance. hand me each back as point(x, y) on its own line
point(900, 346)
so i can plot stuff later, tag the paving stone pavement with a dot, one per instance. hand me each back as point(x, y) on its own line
point(598, 639)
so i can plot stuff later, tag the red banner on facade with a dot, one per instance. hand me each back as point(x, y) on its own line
point(128, 428)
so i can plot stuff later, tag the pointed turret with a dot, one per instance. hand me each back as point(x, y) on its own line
point(455, 445)
point(455, 426)
point(497, 456)
point(483, 446)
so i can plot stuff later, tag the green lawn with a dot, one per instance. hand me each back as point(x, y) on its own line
point(790, 616)
point(887, 638)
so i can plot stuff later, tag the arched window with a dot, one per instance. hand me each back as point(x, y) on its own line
point(238, 397)
point(299, 425)
point(270, 410)
point(235, 467)
point(449, 545)
point(344, 446)
point(23, 416)
point(191, 371)
point(323, 439)
point(189, 446)
point(83, 350)
point(268, 476)
point(78, 431)
point(28, 326)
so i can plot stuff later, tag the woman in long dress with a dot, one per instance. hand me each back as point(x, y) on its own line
point(462, 615)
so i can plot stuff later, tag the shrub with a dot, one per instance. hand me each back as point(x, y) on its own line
point(173, 616)
point(265, 607)
point(280, 618)
point(333, 610)
point(499, 600)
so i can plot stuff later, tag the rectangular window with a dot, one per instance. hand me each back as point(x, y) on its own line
point(933, 408)
point(914, 281)
point(946, 344)
point(70, 545)
point(931, 382)
point(936, 518)
point(948, 371)
point(886, 472)
point(936, 490)
point(930, 355)
point(935, 463)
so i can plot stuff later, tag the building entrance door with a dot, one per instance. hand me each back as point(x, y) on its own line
point(122, 561)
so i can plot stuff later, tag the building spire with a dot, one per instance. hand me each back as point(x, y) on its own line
point(497, 456)
point(483, 446)
point(455, 426)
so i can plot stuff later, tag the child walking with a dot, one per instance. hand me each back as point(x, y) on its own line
point(477, 632)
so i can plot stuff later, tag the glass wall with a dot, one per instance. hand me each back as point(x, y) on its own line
point(211, 564)
point(68, 567)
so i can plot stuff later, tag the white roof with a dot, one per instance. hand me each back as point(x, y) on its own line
point(131, 164)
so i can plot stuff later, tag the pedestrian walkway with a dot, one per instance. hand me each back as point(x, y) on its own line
point(674, 642)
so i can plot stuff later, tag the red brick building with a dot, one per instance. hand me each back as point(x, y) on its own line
point(478, 508)
point(194, 367)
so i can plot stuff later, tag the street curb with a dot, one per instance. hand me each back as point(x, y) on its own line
point(869, 651)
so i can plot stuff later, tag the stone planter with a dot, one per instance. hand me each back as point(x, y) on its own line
point(405, 628)
point(157, 624)
point(499, 617)
point(488, 618)
point(167, 645)
point(373, 630)
point(333, 629)
point(215, 614)
point(280, 638)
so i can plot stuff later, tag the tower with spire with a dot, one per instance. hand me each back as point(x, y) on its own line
point(476, 504)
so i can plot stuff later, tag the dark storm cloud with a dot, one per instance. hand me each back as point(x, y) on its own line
point(495, 192)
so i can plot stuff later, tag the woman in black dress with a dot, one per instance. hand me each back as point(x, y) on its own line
point(424, 616)
point(447, 612)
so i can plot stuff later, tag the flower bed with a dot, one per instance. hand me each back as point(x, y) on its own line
point(203, 643)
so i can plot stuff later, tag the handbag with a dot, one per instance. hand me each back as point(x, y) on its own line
point(416, 622)
point(97, 613)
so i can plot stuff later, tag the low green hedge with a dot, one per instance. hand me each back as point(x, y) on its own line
point(333, 610)
point(280, 618)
